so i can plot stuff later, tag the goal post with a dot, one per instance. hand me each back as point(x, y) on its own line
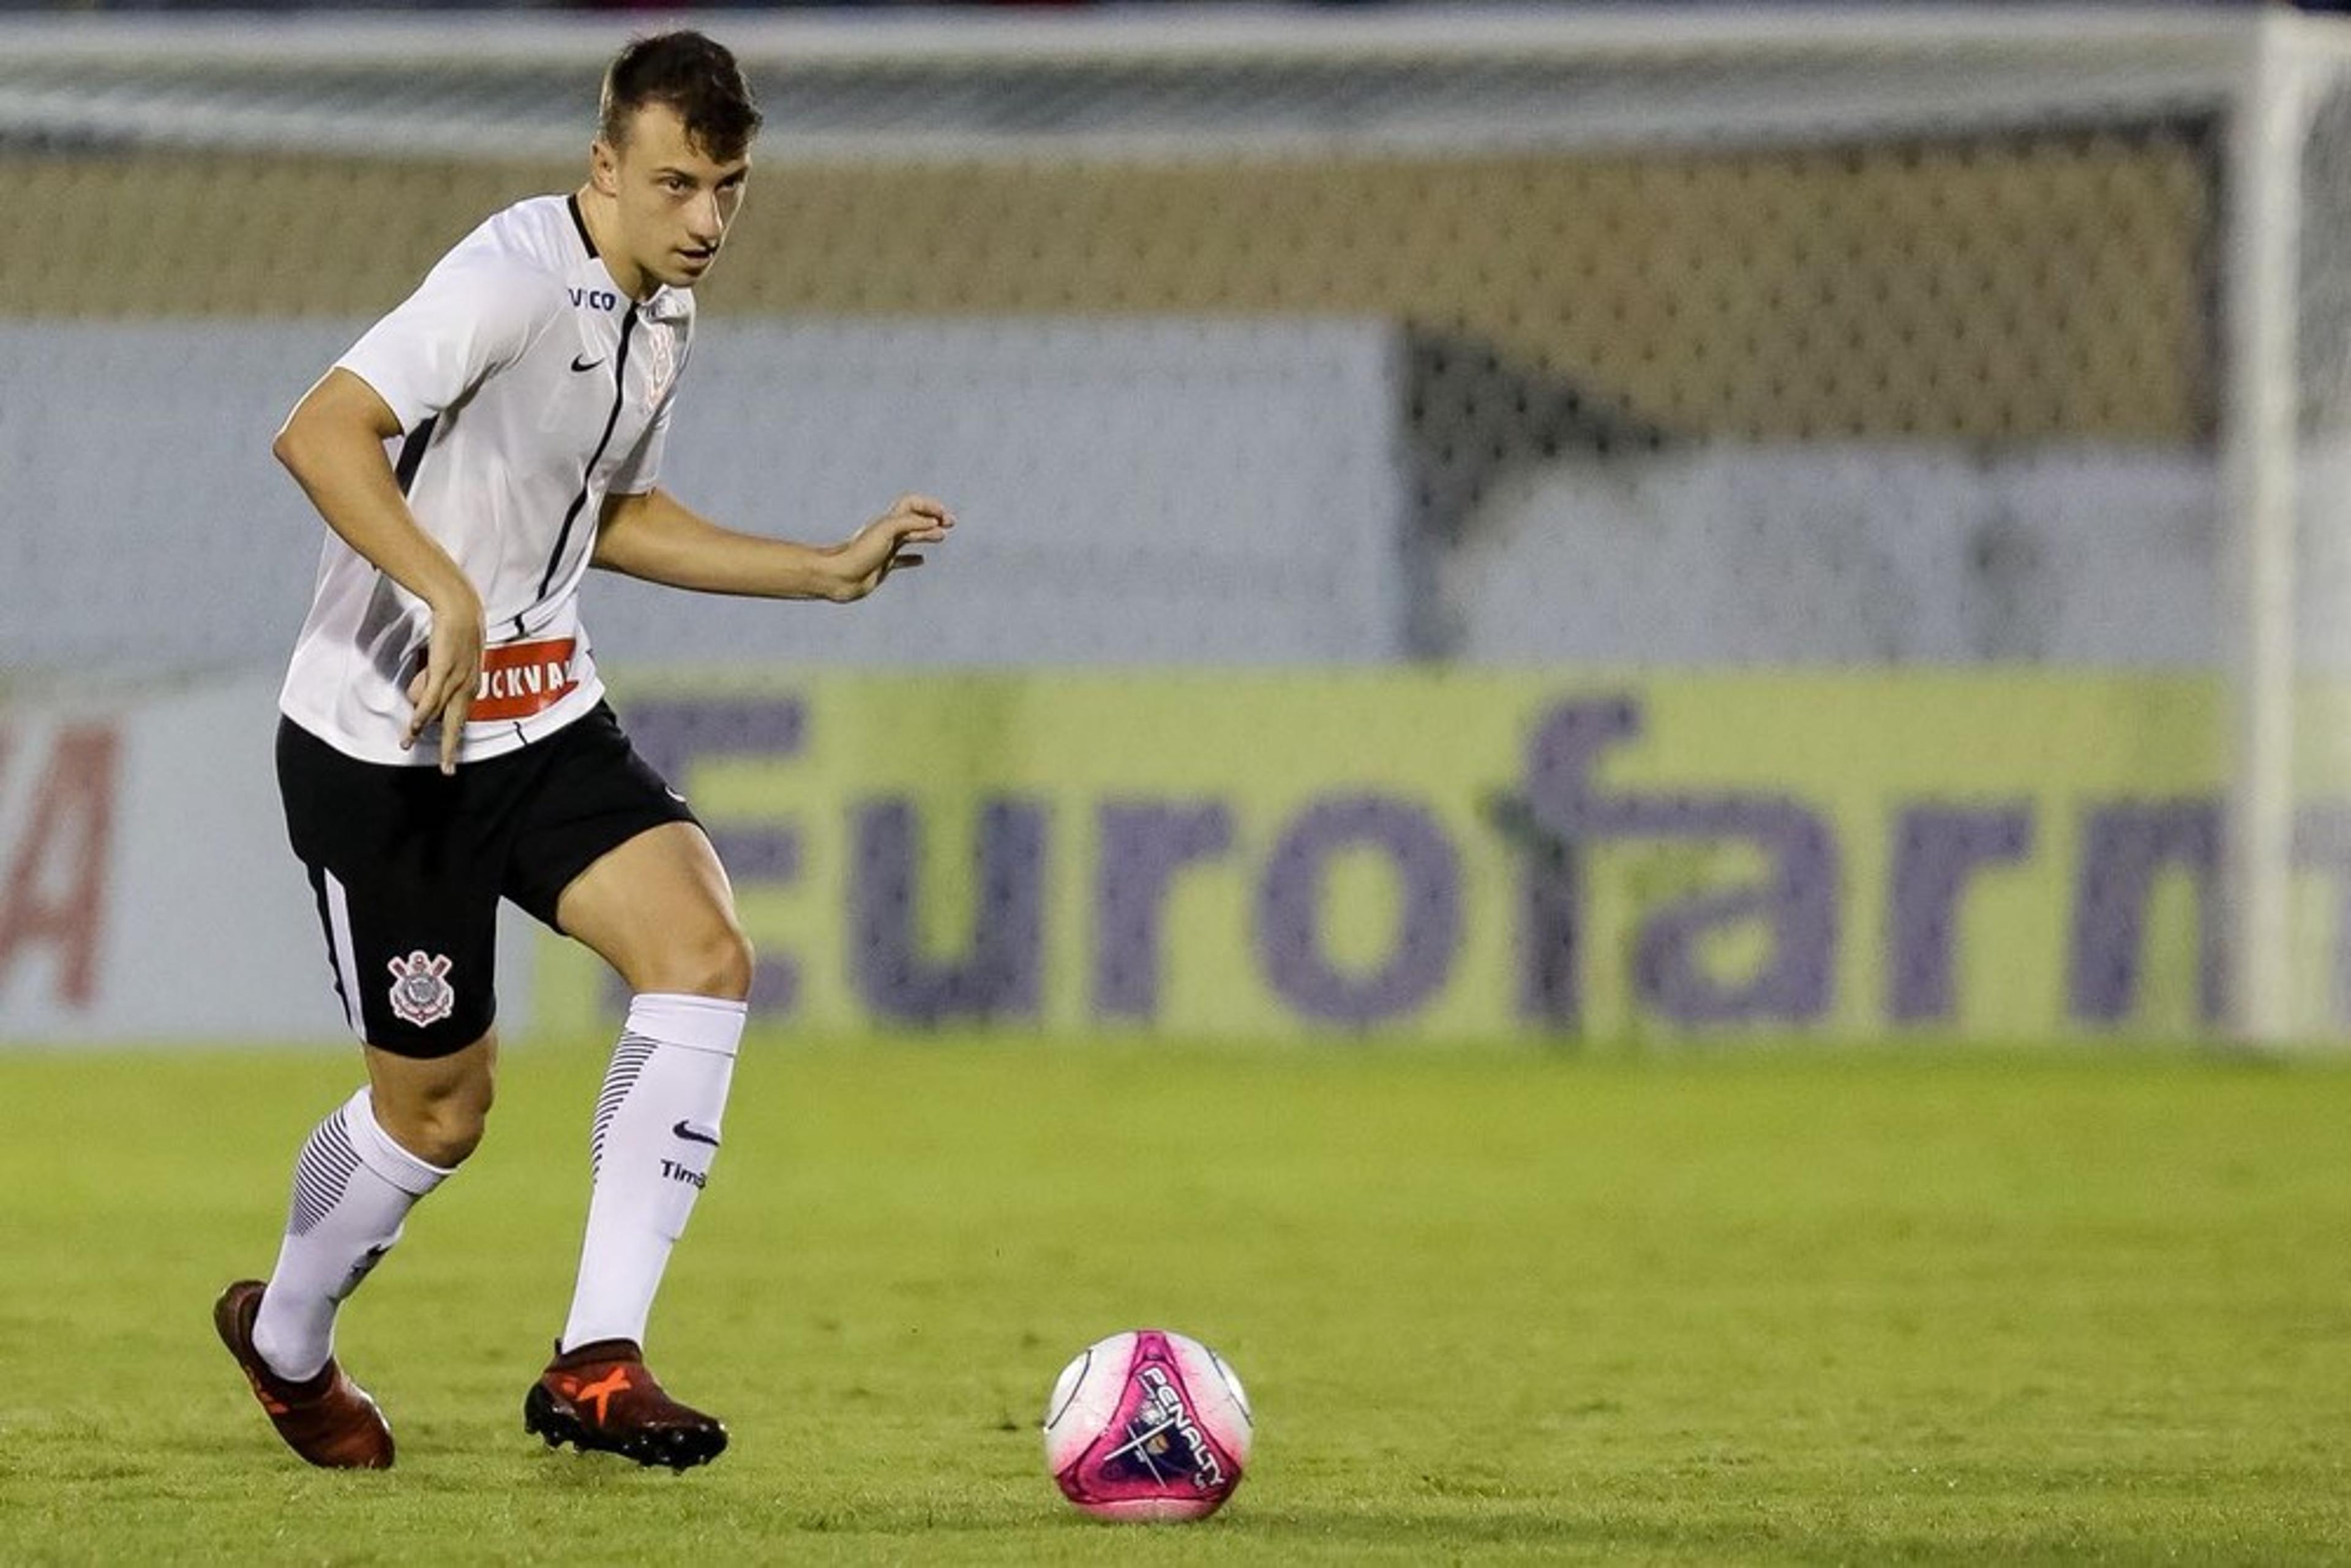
point(2259, 421)
point(2284, 517)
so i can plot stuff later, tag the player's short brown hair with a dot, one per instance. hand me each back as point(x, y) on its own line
point(691, 75)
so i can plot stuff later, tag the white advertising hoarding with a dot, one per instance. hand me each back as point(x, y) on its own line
point(146, 889)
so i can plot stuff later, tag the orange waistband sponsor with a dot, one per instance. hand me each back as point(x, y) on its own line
point(519, 679)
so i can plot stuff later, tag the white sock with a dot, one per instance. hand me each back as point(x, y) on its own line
point(353, 1186)
point(655, 1133)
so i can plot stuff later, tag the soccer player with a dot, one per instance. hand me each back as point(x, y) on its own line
point(444, 742)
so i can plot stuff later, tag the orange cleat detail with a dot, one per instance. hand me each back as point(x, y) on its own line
point(601, 1397)
point(601, 1391)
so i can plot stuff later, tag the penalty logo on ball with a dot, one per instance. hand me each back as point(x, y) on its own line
point(1147, 1425)
point(1164, 1446)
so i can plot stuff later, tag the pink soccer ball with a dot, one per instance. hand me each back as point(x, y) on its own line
point(1147, 1425)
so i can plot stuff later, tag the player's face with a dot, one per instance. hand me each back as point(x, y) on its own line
point(675, 202)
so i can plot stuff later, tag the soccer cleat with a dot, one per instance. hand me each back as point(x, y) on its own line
point(327, 1419)
point(602, 1396)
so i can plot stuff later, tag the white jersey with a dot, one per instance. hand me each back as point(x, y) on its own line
point(527, 389)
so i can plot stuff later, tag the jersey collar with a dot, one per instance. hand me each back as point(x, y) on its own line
point(667, 304)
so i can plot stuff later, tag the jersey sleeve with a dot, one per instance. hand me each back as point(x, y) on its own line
point(471, 315)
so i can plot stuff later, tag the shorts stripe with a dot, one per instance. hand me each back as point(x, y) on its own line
point(345, 961)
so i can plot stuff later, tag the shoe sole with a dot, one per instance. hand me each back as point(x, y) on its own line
point(679, 1447)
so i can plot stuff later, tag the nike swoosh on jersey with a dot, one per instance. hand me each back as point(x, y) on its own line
point(694, 1134)
point(581, 362)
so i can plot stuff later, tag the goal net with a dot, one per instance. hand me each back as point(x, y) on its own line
point(1944, 405)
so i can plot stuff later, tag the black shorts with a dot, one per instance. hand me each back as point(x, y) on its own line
point(409, 864)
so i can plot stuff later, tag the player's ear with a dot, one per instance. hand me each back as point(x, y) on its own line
point(604, 168)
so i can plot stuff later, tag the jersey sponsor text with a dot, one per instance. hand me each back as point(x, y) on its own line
point(519, 679)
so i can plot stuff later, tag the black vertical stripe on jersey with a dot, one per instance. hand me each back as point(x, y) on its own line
point(581, 223)
point(412, 453)
point(588, 479)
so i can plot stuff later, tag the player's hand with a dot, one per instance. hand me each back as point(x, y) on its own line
point(879, 548)
point(443, 688)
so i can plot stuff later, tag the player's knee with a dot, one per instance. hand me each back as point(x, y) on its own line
point(451, 1134)
point(721, 964)
point(713, 959)
point(441, 1132)
point(441, 1123)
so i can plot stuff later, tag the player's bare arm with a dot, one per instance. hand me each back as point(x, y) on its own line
point(655, 536)
point(333, 446)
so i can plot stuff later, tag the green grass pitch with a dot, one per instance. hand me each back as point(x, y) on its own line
point(2086, 1304)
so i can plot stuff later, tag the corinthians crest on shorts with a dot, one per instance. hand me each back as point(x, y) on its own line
point(421, 992)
